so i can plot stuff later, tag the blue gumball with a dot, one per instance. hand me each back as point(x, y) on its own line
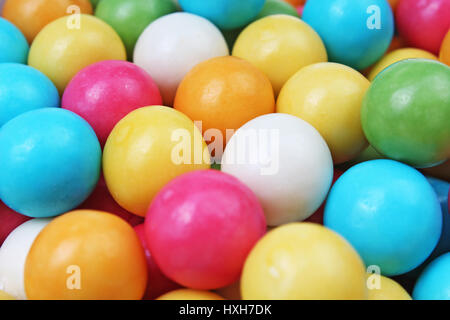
point(434, 282)
point(389, 212)
point(23, 89)
point(356, 33)
point(50, 162)
point(226, 14)
point(13, 45)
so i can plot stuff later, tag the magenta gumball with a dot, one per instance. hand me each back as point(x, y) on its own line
point(201, 227)
point(105, 92)
point(423, 23)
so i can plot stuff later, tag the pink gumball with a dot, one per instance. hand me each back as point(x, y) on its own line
point(158, 284)
point(201, 227)
point(105, 92)
point(101, 200)
point(423, 23)
point(9, 220)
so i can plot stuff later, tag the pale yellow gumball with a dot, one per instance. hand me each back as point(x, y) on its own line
point(329, 97)
point(382, 288)
point(280, 45)
point(190, 294)
point(399, 55)
point(5, 296)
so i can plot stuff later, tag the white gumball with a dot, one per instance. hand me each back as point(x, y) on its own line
point(13, 255)
point(172, 45)
point(285, 161)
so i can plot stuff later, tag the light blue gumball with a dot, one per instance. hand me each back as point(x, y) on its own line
point(226, 14)
point(22, 89)
point(50, 162)
point(389, 212)
point(434, 282)
point(13, 45)
point(356, 33)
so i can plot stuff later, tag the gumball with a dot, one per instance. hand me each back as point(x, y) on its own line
point(280, 45)
point(183, 226)
point(63, 48)
point(444, 54)
point(147, 149)
point(399, 55)
point(434, 282)
point(86, 255)
point(224, 93)
point(388, 211)
point(4, 295)
point(172, 45)
point(226, 14)
point(296, 3)
point(189, 294)
point(130, 17)
point(101, 200)
point(94, 3)
point(9, 221)
point(272, 7)
point(355, 33)
point(303, 261)
point(406, 110)
point(385, 289)
point(329, 97)
point(105, 92)
point(158, 284)
point(50, 162)
point(23, 89)
point(31, 16)
point(13, 255)
point(287, 154)
point(423, 24)
point(13, 45)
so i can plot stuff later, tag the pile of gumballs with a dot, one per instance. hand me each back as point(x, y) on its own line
point(227, 149)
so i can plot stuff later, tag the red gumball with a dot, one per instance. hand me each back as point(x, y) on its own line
point(201, 227)
point(158, 284)
point(423, 23)
point(101, 200)
point(317, 217)
point(105, 92)
point(9, 220)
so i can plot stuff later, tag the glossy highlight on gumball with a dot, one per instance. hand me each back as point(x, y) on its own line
point(17, 79)
point(86, 255)
point(50, 162)
point(63, 39)
point(183, 226)
point(105, 92)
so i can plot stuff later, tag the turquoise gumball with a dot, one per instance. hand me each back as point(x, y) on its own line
point(389, 212)
point(50, 162)
point(356, 33)
point(434, 282)
point(23, 89)
point(226, 14)
point(13, 45)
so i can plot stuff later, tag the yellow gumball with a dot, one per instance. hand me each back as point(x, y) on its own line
point(189, 294)
point(68, 44)
point(382, 288)
point(303, 261)
point(280, 45)
point(147, 149)
point(396, 56)
point(5, 296)
point(329, 96)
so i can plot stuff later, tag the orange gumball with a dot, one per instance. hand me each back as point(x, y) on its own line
point(30, 16)
point(296, 3)
point(86, 255)
point(225, 93)
point(444, 55)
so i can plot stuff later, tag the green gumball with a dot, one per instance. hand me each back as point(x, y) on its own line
point(130, 17)
point(406, 112)
point(94, 3)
